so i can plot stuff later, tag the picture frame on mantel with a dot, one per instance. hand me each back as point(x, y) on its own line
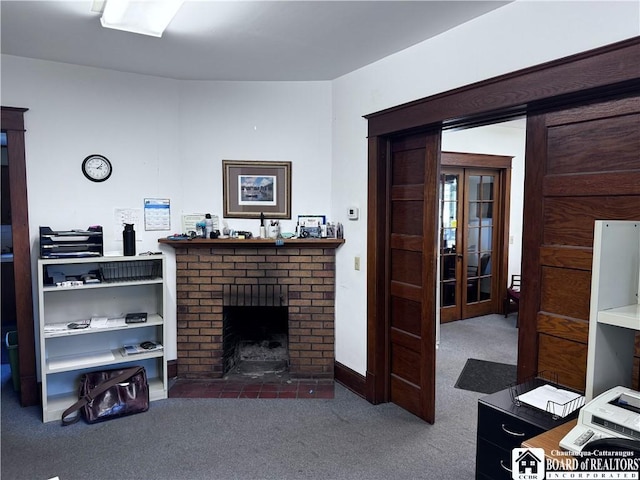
point(252, 187)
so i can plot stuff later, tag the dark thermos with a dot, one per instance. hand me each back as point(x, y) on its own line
point(129, 240)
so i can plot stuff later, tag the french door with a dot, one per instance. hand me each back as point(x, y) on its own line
point(470, 207)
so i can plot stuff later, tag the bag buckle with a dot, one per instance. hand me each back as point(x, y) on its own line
point(88, 398)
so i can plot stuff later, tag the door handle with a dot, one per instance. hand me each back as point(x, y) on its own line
point(459, 256)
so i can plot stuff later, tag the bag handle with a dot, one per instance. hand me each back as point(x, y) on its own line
point(95, 391)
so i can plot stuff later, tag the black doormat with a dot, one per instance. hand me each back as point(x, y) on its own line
point(486, 377)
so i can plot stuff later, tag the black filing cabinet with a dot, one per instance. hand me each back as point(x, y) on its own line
point(502, 426)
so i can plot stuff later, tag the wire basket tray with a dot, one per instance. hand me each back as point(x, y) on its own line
point(130, 271)
point(555, 409)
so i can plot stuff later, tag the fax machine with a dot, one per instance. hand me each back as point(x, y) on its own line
point(614, 413)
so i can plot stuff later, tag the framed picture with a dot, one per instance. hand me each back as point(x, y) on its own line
point(311, 220)
point(250, 188)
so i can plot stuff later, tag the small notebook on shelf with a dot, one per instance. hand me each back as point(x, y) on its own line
point(139, 317)
point(144, 347)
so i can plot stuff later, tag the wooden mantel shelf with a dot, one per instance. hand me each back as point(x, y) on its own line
point(254, 243)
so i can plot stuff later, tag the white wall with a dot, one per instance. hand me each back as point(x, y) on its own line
point(283, 121)
point(519, 35)
point(165, 139)
point(77, 111)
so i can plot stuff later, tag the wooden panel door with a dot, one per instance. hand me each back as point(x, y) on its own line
point(412, 272)
point(582, 165)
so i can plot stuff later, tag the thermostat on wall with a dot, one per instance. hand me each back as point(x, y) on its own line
point(352, 213)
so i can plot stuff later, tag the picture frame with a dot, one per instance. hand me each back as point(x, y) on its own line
point(311, 220)
point(253, 187)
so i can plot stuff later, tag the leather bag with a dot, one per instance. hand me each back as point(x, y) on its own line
point(109, 394)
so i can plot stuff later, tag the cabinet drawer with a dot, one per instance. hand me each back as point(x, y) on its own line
point(504, 430)
point(492, 461)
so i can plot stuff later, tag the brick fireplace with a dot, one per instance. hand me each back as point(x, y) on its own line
point(206, 269)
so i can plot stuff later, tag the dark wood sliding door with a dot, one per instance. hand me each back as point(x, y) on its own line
point(586, 168)
point(412, 267)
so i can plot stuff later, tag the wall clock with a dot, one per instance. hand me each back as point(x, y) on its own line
point(96, 168)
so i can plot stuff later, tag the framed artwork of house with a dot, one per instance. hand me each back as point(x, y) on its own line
point(250, 188)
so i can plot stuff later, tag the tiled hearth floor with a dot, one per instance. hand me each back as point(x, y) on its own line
point(238, 387)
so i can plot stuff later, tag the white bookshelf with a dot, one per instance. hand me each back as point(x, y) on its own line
point(136, 284)
point(614, 315)
point(626, 317)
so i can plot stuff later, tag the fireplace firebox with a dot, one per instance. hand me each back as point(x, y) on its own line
point(255, 340)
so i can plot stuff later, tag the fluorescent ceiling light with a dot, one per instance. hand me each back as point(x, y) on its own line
point(146, 17)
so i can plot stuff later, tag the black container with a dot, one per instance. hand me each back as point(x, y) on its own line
point(129, 240)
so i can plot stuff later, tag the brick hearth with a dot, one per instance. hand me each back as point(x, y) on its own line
point(204, 267)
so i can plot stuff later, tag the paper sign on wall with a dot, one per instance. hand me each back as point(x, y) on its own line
point(126, 215)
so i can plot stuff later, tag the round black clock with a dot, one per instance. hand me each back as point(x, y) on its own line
point(96, 168)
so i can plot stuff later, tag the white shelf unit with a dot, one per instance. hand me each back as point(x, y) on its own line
point(66, 354)
point(614, 316)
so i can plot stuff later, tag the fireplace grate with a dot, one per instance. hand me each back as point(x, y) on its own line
point(255, 295)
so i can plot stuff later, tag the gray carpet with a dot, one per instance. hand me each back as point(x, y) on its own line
point(341, 438)
point(486, 377)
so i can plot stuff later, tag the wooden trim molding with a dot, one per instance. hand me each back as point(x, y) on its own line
point(350, 379)
point(13, 118)
point(172, 369)
point(13, 125)
point(475, 160)
point(377, 268)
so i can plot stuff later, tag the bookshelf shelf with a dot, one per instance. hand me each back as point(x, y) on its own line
point(67, 353)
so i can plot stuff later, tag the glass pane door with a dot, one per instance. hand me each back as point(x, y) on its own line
point(468, 200)
point(479, 237)
point(450, 206)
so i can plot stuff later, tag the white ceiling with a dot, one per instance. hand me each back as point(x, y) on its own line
point(235, 40)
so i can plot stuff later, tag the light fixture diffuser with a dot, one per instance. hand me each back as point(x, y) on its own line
point(148, 17)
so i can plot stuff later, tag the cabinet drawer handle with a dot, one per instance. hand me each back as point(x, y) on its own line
point(512, 433)
point(504, 468)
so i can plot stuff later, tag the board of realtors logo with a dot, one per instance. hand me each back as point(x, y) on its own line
point(527, 464)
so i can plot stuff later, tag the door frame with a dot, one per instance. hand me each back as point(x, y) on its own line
point(605, 72)
point(502, 163)
point(13, 124)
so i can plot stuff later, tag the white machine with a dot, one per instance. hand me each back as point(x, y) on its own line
point(612, 414)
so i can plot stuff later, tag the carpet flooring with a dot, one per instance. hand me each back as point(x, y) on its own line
point(339, 438)
point(486, 377)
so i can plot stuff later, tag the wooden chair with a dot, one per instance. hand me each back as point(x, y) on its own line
point(513, 295)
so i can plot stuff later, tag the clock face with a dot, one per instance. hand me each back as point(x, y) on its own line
point(96, 168)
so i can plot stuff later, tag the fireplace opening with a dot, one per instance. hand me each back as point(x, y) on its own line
point(255, 340)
